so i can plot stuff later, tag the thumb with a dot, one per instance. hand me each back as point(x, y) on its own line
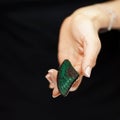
point(91, 50)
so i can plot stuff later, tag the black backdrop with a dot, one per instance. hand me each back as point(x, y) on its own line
point(28, 48)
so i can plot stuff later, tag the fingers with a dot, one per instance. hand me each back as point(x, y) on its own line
point(52, 79)
point(49, 78)
point(89, 38)
point(91, 50)
point(55, 92)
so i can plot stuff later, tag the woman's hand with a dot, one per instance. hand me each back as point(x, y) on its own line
point(78, 42)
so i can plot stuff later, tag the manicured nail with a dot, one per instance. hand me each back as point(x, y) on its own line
point(48, 77)
point(88, 71)
point(50, 71)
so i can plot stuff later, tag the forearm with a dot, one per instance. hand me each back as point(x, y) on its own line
point(104, 15)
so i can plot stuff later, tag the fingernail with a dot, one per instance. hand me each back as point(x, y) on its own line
point(48, 78)
point(88, 71)
point(50, 71)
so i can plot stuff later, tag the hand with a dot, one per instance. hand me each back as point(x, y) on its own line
point(79, 42)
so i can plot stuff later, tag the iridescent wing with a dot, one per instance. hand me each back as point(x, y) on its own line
point(67, 75)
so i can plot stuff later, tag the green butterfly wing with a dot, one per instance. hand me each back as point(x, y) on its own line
point(67, 75)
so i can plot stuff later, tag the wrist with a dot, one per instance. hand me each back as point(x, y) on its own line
point(93, 14)
point(101, 17)
point(108, 17)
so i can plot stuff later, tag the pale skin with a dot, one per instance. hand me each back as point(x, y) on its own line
point(79, 41)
